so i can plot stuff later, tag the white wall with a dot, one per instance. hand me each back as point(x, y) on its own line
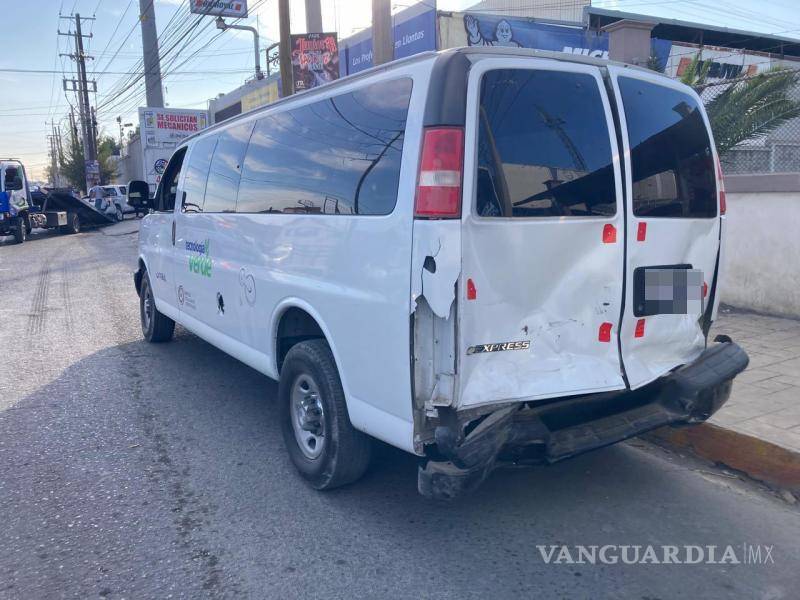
point(762, 252)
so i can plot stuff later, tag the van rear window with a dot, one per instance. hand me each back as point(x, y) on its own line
point(671, 160)
point(543, 146)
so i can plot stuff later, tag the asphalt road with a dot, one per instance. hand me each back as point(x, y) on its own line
point(130, 470)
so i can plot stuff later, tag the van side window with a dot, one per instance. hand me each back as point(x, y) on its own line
point(671, 160)
point(168, 186)
point(543, 146)
point(194, 184)
point(338, 156)
point(226, 168)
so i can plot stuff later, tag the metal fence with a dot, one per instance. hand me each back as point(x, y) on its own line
point(778, 152)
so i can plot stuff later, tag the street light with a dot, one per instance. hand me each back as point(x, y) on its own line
point(221, 24)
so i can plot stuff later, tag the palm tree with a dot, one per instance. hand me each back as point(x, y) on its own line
point(748, 108)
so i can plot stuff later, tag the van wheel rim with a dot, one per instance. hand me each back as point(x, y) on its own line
point(147, 308)
point(308, 416)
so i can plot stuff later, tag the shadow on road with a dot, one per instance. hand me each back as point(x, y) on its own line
point(174, 451)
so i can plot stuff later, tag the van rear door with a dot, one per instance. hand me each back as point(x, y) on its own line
point(542, 234)
point(672, 219)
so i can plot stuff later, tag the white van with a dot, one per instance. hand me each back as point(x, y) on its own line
point(481, 256)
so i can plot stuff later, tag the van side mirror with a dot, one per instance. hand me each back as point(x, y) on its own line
point(139, 195)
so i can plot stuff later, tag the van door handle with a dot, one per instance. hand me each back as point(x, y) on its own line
point(173, 232)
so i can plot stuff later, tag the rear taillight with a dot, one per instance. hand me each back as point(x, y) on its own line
point(721, 187)
point(440, 171)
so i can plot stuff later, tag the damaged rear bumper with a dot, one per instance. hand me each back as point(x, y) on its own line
point(564, 428)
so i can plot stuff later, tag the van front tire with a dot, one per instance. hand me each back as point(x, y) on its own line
point(324, 446)
point(156, 327)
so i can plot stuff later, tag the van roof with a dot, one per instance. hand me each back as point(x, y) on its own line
point(474, 51)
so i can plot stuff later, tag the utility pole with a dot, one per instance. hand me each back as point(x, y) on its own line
point(313, 16)
point(382, 35)
point(73, 129)
point(90, 147)
point(59, 146)
point(53, 158)
point(285, 48)
point(81, 86)
point(152, 62)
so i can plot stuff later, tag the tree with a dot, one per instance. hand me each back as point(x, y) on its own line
point(748, 108)
point(74, 170)
point(72, 167)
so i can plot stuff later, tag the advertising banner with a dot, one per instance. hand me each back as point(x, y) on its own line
point(468, 29)
point(219, 8)
point(315, 60)
point(725, 63)
point(266, 94)
point(414, 32)
point(161, 130)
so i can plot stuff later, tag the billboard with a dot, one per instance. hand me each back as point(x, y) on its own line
point(315, 60)
point(414, 32)
point(161, 130)
point(722, 63)
point(219, 8)
point(470, 29)
point(266, 94)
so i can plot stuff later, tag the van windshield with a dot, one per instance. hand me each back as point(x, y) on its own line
point(543, 146)
point(671, 160)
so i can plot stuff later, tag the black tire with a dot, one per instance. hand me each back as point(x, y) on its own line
point(346, 452)
point(20, 231)
point(156, 327)
point(119, 214)
point(73, 224)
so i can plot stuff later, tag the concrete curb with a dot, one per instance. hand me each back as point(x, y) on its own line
point(757, 458)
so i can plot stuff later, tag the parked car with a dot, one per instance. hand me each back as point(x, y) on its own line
point(118, 194)
point(108, 206)
point(481, 256)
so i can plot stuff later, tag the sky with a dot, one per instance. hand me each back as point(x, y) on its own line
point(207, 62)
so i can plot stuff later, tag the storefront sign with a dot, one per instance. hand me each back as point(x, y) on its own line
point(161, 130)
point(472, 29)
point(722, 63)
point(219, 8)
point(414, 32)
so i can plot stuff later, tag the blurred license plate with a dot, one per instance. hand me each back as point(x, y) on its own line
point(668, 291)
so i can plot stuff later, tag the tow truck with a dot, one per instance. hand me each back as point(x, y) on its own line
point(22, 209)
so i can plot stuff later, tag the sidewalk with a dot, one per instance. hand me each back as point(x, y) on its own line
point(758, 429)
point(765, 402)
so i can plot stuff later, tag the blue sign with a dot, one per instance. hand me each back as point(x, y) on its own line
point(412, 35)
point(495, 30)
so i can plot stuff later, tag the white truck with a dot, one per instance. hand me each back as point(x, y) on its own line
point(482, 256)
point(23, 209)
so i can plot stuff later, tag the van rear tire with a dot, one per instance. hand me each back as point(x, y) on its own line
point(310, 395)
point(156, 327)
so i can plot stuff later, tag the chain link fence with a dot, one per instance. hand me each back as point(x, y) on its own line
point(778, 152)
